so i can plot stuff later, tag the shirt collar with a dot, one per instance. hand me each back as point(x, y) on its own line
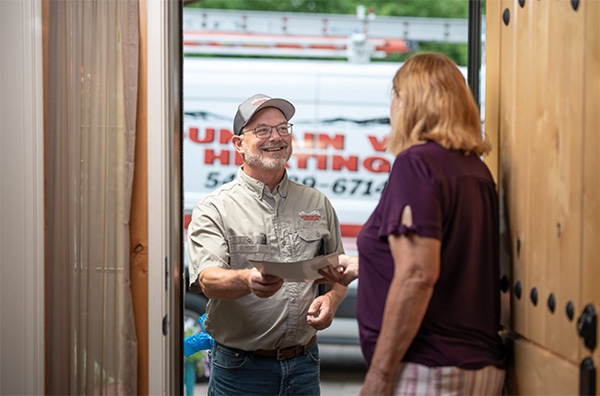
point(259, 188)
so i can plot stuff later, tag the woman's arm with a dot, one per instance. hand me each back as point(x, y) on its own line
point(417, 267)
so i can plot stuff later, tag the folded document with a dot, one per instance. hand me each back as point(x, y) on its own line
point(297, 271)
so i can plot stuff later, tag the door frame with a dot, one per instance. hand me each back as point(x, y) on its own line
point(165, 225)
point(22, 288)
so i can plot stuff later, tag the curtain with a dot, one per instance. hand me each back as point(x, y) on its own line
point(91, 112)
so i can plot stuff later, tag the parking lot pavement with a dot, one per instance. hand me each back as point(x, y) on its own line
point(341, 383)
point(342, 370)
point(342, 357)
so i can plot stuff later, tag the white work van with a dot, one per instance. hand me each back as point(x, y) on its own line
point(339, 131)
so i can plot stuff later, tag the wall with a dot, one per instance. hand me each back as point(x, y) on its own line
point(21, 200)
point(543, 112)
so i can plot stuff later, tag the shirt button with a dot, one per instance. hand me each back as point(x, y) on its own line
point(249, 240)
point(318, 233)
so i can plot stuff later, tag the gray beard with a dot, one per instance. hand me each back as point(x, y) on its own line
point(256, 160)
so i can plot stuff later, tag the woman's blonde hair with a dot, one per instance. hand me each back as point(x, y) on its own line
point(436, 105)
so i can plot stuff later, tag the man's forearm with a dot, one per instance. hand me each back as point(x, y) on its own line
point(337, 293)
point(224, 284)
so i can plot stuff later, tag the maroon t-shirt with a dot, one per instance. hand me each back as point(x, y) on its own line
point(453, 199)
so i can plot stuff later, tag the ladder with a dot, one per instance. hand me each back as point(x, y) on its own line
point(359, 37)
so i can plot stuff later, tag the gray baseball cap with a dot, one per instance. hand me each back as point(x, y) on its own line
point(250, 106)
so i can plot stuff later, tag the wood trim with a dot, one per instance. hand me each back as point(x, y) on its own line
point(492, 86)
point(591, 167)
point(138, 230)
point(158, 96)
point(45, 22)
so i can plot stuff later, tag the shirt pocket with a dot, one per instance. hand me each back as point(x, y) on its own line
point(310, 240)
point(247, 247)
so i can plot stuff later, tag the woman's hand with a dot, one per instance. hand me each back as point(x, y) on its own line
point(344, 274)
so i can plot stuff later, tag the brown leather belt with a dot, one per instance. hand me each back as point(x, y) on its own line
point(286, 353)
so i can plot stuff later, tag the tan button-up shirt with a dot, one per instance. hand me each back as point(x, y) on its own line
point(243, 221)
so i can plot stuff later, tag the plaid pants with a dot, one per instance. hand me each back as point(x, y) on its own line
point(418, 380)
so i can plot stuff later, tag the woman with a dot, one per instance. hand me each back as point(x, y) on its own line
point(428, 297)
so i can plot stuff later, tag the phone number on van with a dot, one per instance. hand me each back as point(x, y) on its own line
point(341, 186)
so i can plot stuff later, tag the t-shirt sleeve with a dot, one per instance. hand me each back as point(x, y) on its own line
point(410, 183)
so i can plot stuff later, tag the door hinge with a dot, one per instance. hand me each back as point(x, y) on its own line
point(586, 327)
point(165, 324)
point(587, 377)
point(166, 274)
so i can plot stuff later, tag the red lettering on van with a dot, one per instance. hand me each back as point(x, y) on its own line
point(309, 140)
point(225, 136)
point(350, 163)
point(303, 160)
point(377, 164)
point(378, 145)
point(321, 161)
point(210, 157)
point(324, 141)
point(209, 137)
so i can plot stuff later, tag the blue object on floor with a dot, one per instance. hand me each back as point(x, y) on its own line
point(197, 342)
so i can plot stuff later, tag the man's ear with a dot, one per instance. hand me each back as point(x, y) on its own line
point(237, 144)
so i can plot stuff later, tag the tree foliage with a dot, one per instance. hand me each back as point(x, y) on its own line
point(413, 8)
point(420, 8)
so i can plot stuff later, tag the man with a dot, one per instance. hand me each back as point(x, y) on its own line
point(264, 328)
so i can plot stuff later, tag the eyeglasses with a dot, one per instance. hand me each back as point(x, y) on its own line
point(264, 132)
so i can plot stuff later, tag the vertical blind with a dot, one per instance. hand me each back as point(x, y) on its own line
point(90, 136)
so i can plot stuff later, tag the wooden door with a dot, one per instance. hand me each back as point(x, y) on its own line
point(543, 118)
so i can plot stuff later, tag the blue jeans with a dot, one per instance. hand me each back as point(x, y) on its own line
point(236, 372)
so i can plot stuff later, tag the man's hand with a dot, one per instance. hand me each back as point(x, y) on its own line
point(263, 285)
point(344, 274)
point(320, 313)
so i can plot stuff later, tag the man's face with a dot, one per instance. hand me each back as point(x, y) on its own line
point(272, 152)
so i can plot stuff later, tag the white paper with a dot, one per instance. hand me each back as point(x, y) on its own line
point(297, 271)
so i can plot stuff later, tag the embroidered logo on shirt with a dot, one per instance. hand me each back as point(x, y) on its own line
point(315, 215)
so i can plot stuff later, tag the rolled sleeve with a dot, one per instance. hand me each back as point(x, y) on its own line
point(335, 241)
point(207, 244)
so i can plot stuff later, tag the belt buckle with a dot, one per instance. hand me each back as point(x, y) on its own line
point(279, 354)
